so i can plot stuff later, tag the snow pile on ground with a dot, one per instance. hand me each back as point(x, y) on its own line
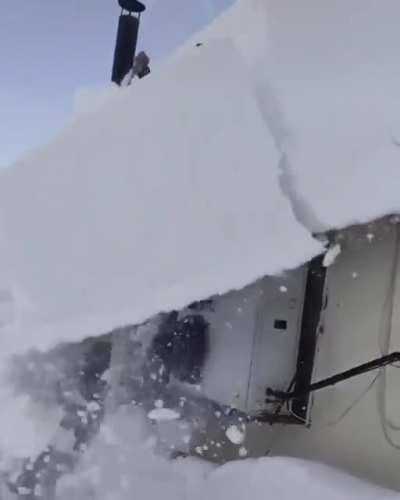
point(123, 462)
point(284, 478)
point(167, 25)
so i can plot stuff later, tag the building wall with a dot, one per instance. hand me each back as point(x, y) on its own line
point(346, 429)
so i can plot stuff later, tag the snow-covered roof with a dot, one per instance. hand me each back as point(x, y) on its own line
point(210, 173)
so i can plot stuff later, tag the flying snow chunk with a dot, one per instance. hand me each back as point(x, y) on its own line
point(235, 435)
point(331, 255)
point(163, 415)
point(243, 452)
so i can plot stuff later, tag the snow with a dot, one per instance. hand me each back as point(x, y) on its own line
point(27, 427)
point(284, 478)
point(101, 228)
point(256, 122)
point(340, 104)
point(235, 435)
point(100, 208)
point(92, 99)
point(331, 106)
point(243, 453)
point(24, 491)
point(128, 465)
point(163, 414)
point(205, 176)
point(331, 255)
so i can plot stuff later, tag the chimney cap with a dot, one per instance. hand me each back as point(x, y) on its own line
point(132, 6)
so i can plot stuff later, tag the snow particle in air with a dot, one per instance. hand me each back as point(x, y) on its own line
point(93, 406)
point(24, 491)
point(331, 255)
point(243, 452)
point(163, 415)
point(370, 237)
point(235, 435)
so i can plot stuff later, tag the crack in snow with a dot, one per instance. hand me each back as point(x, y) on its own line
point(274, 119)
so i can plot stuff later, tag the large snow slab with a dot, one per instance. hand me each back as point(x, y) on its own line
point(327, 83)
point(167, 194)
point(333, 67)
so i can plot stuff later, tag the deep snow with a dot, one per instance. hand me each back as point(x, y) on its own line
point(118, 219)
point(94, 231)
point(122, 462)
point(245, 145)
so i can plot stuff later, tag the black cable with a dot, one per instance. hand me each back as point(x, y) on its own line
point(375, 364)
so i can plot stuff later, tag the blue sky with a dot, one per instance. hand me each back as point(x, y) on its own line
point(51, 48)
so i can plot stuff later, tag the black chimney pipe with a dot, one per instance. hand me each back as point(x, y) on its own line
point(127, 36)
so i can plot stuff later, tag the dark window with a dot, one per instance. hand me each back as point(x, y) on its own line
point(280, 324)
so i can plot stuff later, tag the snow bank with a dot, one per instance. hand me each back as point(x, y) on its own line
point(122, 461)
point(285, 478)
point(167, 194)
